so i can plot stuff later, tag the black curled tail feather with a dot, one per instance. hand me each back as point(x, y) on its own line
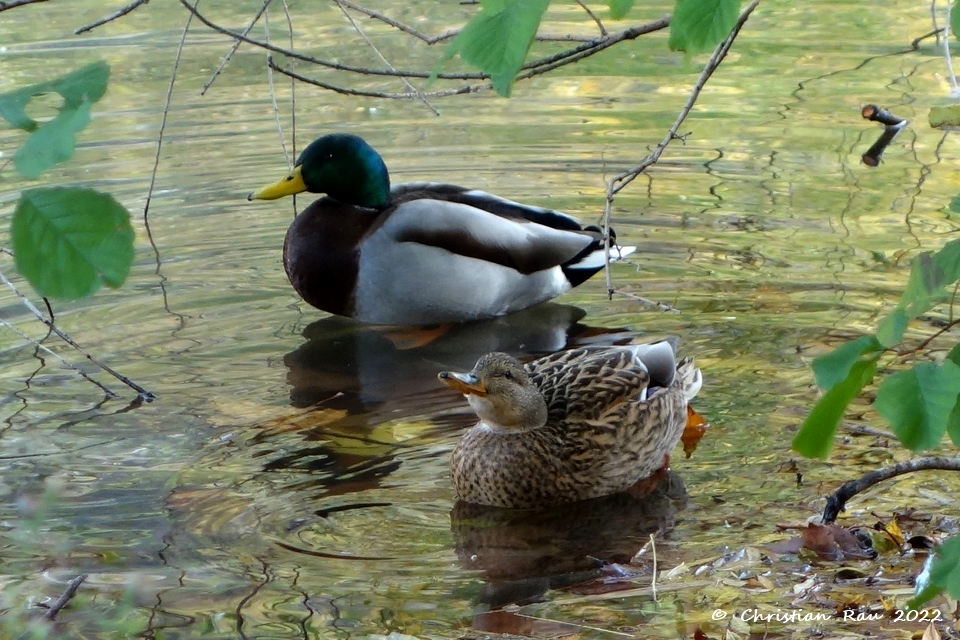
point(575, 270)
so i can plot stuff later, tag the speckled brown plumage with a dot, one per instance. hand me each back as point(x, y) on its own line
point(597, 436)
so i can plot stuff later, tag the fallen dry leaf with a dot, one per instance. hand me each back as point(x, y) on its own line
point(930, 633)
point(693, 432)
point(829, 541)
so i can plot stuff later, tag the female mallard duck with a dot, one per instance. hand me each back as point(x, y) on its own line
point(574, 425)
point(422, 252)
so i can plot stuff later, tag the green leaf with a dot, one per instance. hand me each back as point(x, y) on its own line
point(918, 403)
point(497, 39)
point(700, 25)
point(930, 273)
point(815, 438)
point(944, 574)
point(954, 205)
point(954, 355)
point(955, 19)
point(948, 259)
point(619, 8)
point(67, 241)
point(891, 329)
point(834, 367)
point(953, 423)
point(53, 141)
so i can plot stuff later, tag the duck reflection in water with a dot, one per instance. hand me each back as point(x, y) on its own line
point(378, 373)
point(359, 377)
point(522, 553)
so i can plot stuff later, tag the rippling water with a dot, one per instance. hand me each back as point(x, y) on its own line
point(291, 478)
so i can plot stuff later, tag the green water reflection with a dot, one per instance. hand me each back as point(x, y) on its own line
point(291, 479)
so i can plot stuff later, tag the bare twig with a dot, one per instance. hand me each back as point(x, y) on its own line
point(13, 4)
point(363, 35)
point(146, 395)
point(603, 30)
point(446, 35)
point(915, 43)
point(619, 182)
point(577, 625)
point(36, 312)
point(153, 175)
point(590, 48)
point(67, 595)
point(113, 16)
point(317, 61)
point(63, 361)
point(663, 306)
point(838, 501)
point(532, 68)
point(926, 341)
point(933, 19)
point(233, 49)
point(653, 580)
point(376, 94)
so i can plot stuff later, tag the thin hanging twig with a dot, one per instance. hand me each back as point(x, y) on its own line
point(363, 35)
point(446, 35)
point(57, 356)
point(293, 98)
point(110, 18)
point(49, 323)
point(336, 66)
point(533, 68)
point(233, 49)
point(619, 182)
point(153, 175)
point(603, 29)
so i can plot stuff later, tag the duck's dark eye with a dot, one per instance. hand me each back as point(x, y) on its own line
point(508, 375)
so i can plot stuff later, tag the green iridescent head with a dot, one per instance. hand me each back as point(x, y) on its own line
point(341, 165)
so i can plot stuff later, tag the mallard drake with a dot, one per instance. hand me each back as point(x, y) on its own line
point(573, 425)
point(422, 252)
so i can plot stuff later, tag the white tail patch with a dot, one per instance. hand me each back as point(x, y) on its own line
point(693, 382)
point(596, 259)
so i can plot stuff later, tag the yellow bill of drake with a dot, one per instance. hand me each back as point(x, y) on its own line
point(288, 186)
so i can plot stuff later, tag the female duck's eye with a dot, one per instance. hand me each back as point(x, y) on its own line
point(508, 375)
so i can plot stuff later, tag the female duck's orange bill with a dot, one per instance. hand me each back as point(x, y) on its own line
point(465, 383)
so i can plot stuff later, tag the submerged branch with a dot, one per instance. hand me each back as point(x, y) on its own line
point(67, 595)
point(838, 501)
point(144, 394)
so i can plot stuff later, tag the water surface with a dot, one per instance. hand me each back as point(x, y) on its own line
point(291, 478)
